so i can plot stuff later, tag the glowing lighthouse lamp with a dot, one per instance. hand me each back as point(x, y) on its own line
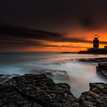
point(96, 42)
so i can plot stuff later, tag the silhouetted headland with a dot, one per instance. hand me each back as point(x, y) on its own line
point(99, 51)
point(68, 52)
point(101, 69)
point(95, 49)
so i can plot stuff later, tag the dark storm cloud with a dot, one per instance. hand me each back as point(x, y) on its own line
point(22, 35)
point(103, 42)
point(23, 43)
point(17, 36)
point(89, 23)
point(48, 17)
point(26, 33)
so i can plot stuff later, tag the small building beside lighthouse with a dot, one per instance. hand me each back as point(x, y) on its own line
point(96, 42)
point(95, 49)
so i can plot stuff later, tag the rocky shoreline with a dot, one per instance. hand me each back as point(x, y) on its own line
point(31, 90)
point(96, 60)
point(101, 69)
point(98, 51)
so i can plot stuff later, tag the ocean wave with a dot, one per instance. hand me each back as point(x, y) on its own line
point(4, 78)
point(54, 74)
point(57, 74)
point(60, 61)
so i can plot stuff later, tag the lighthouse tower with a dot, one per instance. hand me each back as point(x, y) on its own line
point(96, 43)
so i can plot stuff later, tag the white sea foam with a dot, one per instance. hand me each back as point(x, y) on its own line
point(59, 67)
point(56, 74)
point(4, 78)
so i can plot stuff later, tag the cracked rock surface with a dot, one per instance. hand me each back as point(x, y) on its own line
point(36, 91)
point(40, 91)
point(96, 96)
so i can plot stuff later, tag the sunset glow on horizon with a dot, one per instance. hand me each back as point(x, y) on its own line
point(58, 26)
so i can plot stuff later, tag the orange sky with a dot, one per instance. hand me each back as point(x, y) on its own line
point(67, 46)
point(72, 41)
point(52, 25)
point(74, 46)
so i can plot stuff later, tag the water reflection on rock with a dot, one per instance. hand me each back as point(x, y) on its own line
point(4, 78)
point(56, 74)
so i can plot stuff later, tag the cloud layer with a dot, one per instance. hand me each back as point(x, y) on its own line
point(17, 37)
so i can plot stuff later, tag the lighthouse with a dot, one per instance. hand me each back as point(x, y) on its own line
point(96, 42)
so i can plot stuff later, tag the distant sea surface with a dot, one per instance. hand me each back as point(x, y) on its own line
point(60, 67)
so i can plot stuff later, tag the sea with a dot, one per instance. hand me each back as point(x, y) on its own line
point(61, 67)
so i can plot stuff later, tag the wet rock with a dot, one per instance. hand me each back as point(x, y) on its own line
point(57, 74)
point(102, 70)
point(4, 78)
point(9, 97)
point(36, 91)
point(96, 96)
point(96, 60)
point(40, 91)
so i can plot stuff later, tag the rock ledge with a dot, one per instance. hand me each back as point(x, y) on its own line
point(40, 91)
point(36, 91)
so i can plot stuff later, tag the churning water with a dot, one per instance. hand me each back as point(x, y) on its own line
point(60, 67)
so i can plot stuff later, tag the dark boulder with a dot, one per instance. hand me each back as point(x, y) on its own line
point(96, 96)
point(36, 91)
point(40, 91)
